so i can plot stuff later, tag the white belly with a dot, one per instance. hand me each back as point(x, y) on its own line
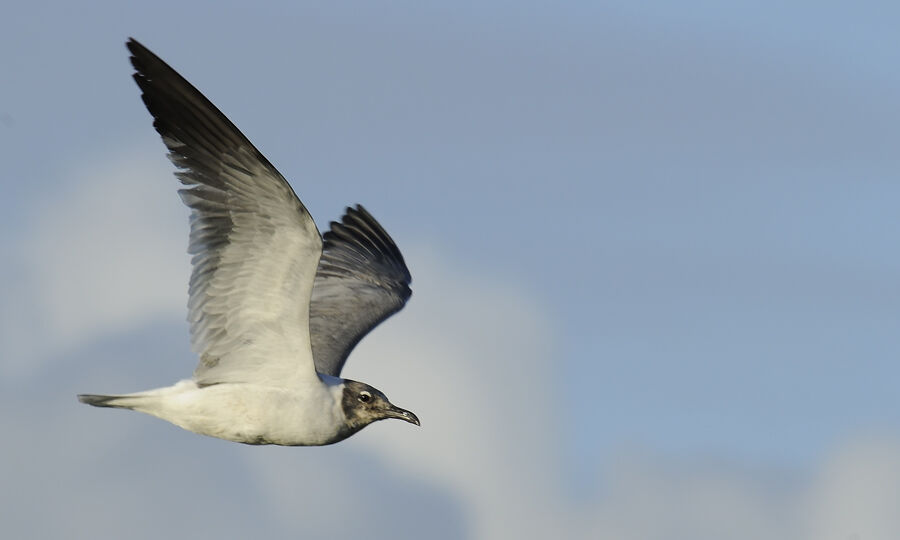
point(251, 414)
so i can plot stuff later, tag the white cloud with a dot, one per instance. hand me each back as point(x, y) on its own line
point(469, 355)
point(102, 253)
point(857, 494)
point(851, 495)
point(472, 355)
point(648, 497)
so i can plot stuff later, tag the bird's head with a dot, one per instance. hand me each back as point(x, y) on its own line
point(364, 404)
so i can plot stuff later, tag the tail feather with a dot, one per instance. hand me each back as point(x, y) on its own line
point(149, 401)
point(103, 401)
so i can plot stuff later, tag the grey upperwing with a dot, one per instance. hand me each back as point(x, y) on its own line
point(361, 281)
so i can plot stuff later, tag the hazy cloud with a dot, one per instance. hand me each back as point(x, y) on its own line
point(473, 355)
point(719, 181)
point(102, 253)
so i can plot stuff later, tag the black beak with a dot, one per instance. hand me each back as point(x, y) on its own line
point(402, 414)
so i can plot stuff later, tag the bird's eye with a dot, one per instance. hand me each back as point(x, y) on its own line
point(365, 397)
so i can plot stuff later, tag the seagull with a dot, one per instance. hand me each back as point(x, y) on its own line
point(274, 307)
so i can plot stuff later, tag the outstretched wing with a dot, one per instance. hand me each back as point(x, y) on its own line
point(362, 280)
point(255, 247)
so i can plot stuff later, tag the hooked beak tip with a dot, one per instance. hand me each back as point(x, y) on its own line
point(403, 414)
point(411, 418)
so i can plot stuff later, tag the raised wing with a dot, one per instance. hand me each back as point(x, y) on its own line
point(362, 280)
point(255, 247)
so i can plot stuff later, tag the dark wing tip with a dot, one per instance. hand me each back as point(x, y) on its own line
point(182, 113)
point(361, 232)
point(154, 76)
point(134, 45)
point(141, 58)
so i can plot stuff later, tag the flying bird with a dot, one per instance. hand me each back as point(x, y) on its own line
point(274, 307)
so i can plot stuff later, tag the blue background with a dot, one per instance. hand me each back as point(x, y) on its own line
point(653, 247)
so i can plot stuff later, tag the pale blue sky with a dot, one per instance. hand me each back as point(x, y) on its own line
point(669, 227)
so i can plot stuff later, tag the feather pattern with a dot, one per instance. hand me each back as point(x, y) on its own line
point(255, 247)
point(361, 281)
